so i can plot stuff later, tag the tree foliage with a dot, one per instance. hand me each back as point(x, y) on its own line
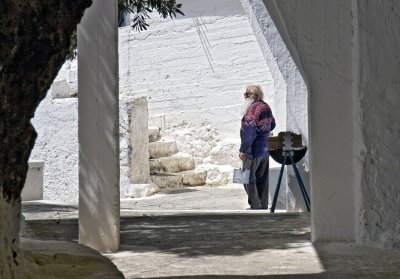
point(73, 47)
point(141, 10)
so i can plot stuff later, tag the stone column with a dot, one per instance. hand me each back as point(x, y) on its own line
point(319, 36)
point(139, 140)
point(98, 130)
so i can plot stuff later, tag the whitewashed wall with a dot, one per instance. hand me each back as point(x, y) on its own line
point(194, 69)
point(56, 122)
point(377, 122)
point(319, 36)
point(291, 96)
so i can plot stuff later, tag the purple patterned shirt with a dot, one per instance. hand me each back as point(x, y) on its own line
point(257, 123)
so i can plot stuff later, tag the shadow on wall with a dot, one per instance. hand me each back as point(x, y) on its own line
point(201, 29)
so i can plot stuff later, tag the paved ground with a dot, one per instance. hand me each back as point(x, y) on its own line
point(205, 232)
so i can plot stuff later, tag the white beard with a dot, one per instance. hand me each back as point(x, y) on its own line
point(246, 104)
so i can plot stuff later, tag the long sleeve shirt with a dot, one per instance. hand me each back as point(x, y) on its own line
point(257, 123)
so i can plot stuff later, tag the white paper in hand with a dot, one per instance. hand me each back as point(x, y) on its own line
point(241, 176)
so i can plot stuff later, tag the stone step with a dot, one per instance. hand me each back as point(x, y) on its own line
point(154, 134)
point(162, 148)
point(193, 177)
point(167, 180)
point(173, 164)
point(177, 180)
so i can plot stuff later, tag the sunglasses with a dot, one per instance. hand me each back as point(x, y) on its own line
point(246, 95)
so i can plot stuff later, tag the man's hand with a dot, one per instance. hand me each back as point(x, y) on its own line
point(242, 156)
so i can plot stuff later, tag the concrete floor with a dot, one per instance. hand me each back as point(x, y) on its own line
point(205, 232)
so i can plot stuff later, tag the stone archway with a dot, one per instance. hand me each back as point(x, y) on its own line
point(336, 139)
point(310, 38)
point(98, 112)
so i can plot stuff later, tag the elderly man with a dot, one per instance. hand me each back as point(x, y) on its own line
point(257, 123)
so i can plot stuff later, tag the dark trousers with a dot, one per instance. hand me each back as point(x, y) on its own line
point(257, 189)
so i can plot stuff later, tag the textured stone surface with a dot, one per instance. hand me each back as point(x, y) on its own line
point(162, 148)
point(154, 134)
point(142, 190)
point(175, 163)
point(217, 174)
point(10, 257)
point(167, 180)
point(59, 89)
point(378, 121)
point(194, 177)
point(34, 42)
point(61, 259)
point(179, 179)
point(162, 243)
point(139, 140)
point(57, 146)
point(226, 152)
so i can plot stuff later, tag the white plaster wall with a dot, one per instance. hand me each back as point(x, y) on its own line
point(69, 73)
point(348, 52)
point(33, 188)
point(379, 101)
point(194, 69)
point(319, 36)
point(56, 122)
point(290, 97)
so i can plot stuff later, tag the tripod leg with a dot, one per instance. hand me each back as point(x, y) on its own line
point(302, 188)
point(301, 183)
point(278, 185)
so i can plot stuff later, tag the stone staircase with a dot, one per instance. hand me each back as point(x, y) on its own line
point(170, 168)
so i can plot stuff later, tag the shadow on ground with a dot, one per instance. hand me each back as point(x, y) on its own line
point(212, 235)
point(179, 191)
point(282, 241)
point(192, 236)
point(28, 207)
